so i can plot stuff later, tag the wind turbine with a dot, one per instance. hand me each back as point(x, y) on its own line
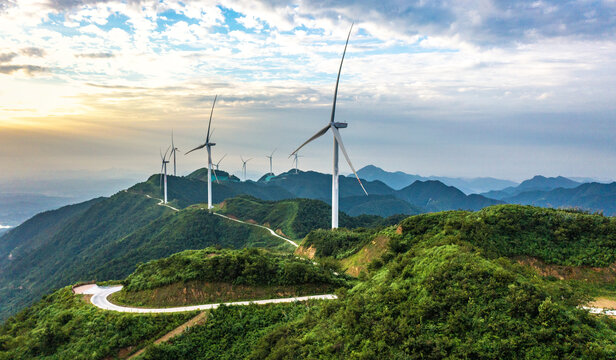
point(164, 168)
point(219, 161)
point(296, 161)
point(244, 166)
point(334, 126)
point(270, 158)
point(208, 145)
point(173, 150)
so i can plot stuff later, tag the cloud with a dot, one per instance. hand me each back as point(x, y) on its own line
point(33, 52)
point(7, 57)
point(28, 69)
point(103, 55)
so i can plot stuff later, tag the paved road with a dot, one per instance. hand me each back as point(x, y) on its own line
point(261, 226)
point(594, 310)
point(100, 294)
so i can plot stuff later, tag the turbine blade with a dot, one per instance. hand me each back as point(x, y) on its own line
point(207, 139)
point(346, 156)
point(272, 154)
point(165, 157)
point(197, 148)
point(338, 78)
point(317, 135)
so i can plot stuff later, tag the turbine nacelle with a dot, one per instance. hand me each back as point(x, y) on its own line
point(340, 125)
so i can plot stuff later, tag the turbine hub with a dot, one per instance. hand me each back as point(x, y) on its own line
point(340, 125)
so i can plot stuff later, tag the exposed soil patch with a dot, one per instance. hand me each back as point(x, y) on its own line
point(306, 252)
point(603, 303)
point(359, 261)
point(562, 272)
point(200, 292)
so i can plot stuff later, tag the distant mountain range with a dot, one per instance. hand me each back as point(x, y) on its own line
point(398, 180)
point(418, 197)
point(537, 183)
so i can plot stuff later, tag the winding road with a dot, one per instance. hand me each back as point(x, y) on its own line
point(101, 293)
point(161, 203)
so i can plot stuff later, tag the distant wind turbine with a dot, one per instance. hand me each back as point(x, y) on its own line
point(295, 162)
point(163, 170)
point(334, 126)
point(244, 166)
point(219, 161)
point(208, 145)
point(270, 159)
point(173, 151)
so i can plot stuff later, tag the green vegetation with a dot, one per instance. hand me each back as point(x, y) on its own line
point(191, 228)
point(554, 236)
point(230, 333)
point(297, 217)
point(61, 257)
point(441, 290)
point(63, 326)
point(339, 243)
point(250, 267)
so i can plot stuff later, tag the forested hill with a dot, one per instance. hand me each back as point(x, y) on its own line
point(433, 286)
point(104, 239)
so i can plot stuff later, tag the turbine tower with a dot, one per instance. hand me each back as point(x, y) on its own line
point(163, 170)
point(334, 126)
point(296, 161)
point(270, 158)
point(208, 145)
point(244, 166)
point(173, 150)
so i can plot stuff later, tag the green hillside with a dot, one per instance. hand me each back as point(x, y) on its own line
point(444, 285)
point(64, 326)
point(296, 217)
point(228, 275)
point(53, 264)
point(441, 289)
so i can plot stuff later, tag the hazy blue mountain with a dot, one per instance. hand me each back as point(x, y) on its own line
point(315, 185)
point(595, 197)
point(433, 195)
point(16, 208)
point(382, 205)
point(537, 183)
point(398, 180)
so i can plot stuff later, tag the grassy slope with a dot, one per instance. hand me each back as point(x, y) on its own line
point(63, 326)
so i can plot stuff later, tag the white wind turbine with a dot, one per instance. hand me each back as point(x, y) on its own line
point(270, 159)
point(295, 162)
point(244, 166)
point(334, 126)
point(219, 161)
point(208, 145)
point(173, 151)
point(163, 171)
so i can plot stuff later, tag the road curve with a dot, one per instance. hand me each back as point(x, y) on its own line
point(100, 294)
point(257, 225)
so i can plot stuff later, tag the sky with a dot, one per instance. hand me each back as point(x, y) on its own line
point(506, 89)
